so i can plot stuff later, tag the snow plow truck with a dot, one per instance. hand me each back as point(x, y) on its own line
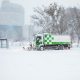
point(49, 41)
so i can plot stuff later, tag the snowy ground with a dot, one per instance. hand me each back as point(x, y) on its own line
point(17, 64)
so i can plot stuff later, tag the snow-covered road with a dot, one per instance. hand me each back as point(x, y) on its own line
point(40, 65)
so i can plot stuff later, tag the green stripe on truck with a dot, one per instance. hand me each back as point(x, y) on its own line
point(52, 43)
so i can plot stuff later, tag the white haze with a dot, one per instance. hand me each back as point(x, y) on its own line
point(29, 5)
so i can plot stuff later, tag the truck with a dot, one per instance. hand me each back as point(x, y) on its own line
point(50, 41)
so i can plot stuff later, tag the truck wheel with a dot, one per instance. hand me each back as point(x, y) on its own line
point(41, 48)
point(60, 47)
point(68, 47)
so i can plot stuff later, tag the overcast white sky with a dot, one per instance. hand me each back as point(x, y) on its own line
point(30, 4)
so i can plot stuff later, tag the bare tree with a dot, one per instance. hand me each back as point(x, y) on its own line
point(41, 19)
point(77, 28)
point(74, 22)
point(61, 27)
point(51, 18)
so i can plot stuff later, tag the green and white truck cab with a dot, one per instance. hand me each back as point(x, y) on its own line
point(49, 41)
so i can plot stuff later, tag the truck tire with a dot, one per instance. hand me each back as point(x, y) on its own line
point(68, 47)
point(41, 48)
point(60, 47)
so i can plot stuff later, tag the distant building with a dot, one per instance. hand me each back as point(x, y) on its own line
point(11, 20)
